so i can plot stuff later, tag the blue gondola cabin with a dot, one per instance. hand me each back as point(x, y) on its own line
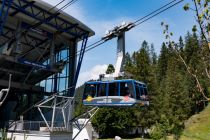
point(115, 93)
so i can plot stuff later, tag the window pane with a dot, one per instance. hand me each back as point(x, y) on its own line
point(102, 90)
point(141, 90)
point(113, 89)
point(126, 89)
point(137, 91)
point(90, 90)
point(145, 91)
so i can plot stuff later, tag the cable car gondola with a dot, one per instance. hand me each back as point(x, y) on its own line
point(127, 92)
point(111, 92)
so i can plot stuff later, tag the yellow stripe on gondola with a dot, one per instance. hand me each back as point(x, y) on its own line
point(89, 98)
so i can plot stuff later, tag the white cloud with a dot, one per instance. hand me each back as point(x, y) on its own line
point(92, 74)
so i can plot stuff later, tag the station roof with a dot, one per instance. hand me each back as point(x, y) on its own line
point(64, 15)
point(42, 19)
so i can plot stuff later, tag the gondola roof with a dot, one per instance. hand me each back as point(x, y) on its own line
point(112, 81)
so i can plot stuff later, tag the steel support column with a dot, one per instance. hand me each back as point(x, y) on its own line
point(121, 48)
point(72, 66)
point(72, 85)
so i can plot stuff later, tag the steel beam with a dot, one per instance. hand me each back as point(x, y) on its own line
point(22, 86)
point(24, 7)
point(11, 71)
point(48, 18)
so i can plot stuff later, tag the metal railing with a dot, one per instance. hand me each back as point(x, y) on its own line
point(36, 126)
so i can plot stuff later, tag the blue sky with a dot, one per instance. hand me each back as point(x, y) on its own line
point(102, 15)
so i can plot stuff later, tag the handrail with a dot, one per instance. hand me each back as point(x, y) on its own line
point(35, 126)
point(5, 90)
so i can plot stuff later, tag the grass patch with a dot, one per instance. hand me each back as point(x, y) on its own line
point(124, 139)
point(198, 126)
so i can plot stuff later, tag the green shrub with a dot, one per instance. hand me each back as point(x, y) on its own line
point(156, 132)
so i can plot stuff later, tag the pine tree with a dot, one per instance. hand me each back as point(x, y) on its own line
point(181, 44)
point(110, 69)
point(175, 101)
point(143, 63)
point(129, 66)
point(162, 63)
point(191, 50)
point(193, 57)
point(153, 55)
point(145, 71)
point(127, 60)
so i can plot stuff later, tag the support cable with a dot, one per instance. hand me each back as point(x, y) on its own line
point(167, 8)
point(138, 22)
point(155, 11)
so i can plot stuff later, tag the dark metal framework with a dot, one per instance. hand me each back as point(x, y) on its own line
point(43, 16)
point(4, 12)
point(35, 54)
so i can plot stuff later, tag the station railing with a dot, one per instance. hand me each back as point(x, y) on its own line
point(17, 126)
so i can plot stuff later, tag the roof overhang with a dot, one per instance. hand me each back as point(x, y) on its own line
point(42, 19)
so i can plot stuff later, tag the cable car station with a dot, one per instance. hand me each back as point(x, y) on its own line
point(41, 53)
point(38, 48)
